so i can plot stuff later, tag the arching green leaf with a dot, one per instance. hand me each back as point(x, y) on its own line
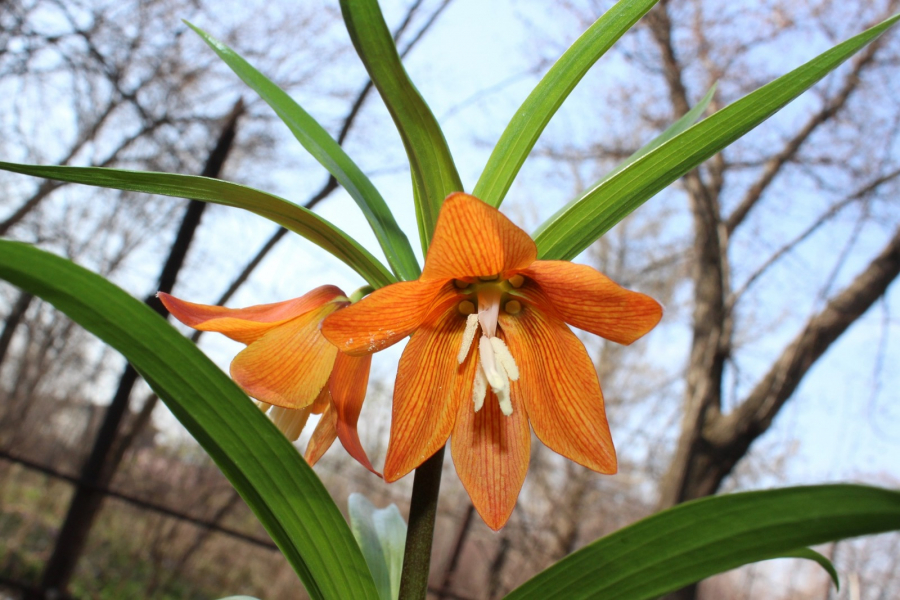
point(433, 173)
point(263, 466)
point(329, 153)
point(695, 540)
point(296, 218)
point(585, 219)
point(529, 122)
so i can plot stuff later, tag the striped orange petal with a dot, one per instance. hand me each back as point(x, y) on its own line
point(348, 383)
point(559, 387)
point(323, 436)
point(589, 300)
point(289, 365)
point(429, 387)
point(246, 325)
point(474, 239)
point(491, 453)
point(382, 318)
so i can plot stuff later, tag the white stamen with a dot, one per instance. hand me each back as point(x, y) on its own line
point(505, 358)
point(468, 336)
point(493, 371)
point(505, 402)
point(479, 388)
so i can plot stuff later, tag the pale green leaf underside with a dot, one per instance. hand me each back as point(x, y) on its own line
point(329, 153)
point(695, 540)
point(529, 122)
point(381, 535)
point(585, 219)
point(434, 174)
point(263, 466)
point(296, 218)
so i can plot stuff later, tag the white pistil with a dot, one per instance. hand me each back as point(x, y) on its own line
point(468, 336)
point(496, 366)
point(489, 310)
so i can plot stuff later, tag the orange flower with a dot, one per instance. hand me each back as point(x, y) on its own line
point(481, 272)
point(289, 367)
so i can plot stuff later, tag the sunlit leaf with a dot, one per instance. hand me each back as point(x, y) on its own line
point(296, 218)
point(688, 119)
point(542, 103)
point(274, 481)
point(695, 540)
point(329, 153)
point(433, 173)
point(582, 221)
point(381, 535)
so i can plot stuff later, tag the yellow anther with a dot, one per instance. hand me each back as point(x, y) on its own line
point(459, 283)
point(513, 307)
point(516, 281)
point(466, 308)
point(490, 278)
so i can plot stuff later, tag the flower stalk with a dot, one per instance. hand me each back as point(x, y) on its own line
point(420, 530)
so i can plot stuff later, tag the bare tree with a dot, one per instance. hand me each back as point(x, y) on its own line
point(792, 233)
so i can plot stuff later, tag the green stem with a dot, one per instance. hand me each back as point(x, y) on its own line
point(420, 531)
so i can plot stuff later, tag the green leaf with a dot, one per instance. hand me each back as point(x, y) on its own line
point(588, 217)
point(529, 122)
point(695, 540)
point(329, 153)
point(263, 466)
point(434, 175)
point(381, 535)
point(810, 554)
point(296, 218)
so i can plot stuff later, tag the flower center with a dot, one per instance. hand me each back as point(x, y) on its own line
point(496, 365)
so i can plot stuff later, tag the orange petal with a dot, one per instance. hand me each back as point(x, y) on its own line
point(289, 421)
point(348, 384)
point(323, 436)
point(429, 387)
point(559, 387)
point(473, 239)
point(290, 364)
point(589, 300)
point(322, 401)
point(384, 317)
point(491, 453)
point(247, 325)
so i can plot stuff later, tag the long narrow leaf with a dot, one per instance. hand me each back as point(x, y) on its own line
point(270, 475)
point(434, 174)
point(296, 218)
point(698, 539)
point(585, 219)
point(529, 122)
point(329, 153)
point(682, 124)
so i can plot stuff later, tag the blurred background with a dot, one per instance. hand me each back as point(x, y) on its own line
point(775, 363)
